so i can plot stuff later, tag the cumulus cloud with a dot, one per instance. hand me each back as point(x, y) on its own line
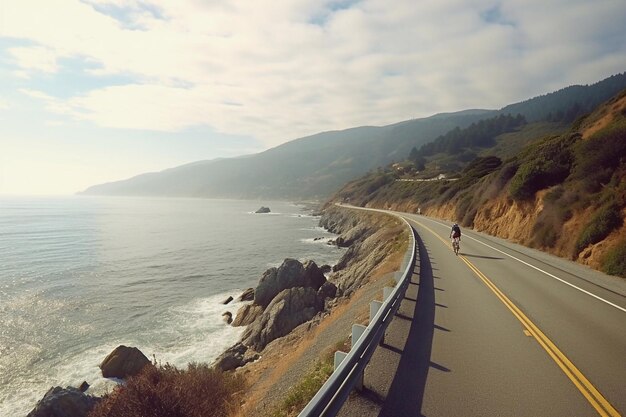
point(282, 69)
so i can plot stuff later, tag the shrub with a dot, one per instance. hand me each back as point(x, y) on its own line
point(606, 219)
point(614, 261)
point(599, 156)
point(544, 235)
point(545, 164)
point(480, 167)
point(603, 150)
point(165, 391)
point(554, 194)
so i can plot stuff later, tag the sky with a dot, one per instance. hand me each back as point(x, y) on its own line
point(94, 91)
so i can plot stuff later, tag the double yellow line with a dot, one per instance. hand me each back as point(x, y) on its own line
point(597, 400)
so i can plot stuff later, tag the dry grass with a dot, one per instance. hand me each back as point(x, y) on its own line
point(165, 391)
point(604, 121)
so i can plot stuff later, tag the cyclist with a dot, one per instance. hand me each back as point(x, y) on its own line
point(455, 235)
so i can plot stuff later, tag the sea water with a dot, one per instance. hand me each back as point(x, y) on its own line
point(82, 275)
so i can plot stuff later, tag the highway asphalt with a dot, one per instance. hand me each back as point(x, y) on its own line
point(500, 330)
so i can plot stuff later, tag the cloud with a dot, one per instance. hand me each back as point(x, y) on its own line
point(283, 69)
point(35, 58)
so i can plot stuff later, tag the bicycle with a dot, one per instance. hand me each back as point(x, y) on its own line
point(456, 245)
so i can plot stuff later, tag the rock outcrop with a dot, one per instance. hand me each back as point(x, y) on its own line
point(235, 357)
point(287, 310)
point(64, 402)
point(247, 315)
point(263, 209)
point(327, 290)
point(285, 298)
point(247, 295)
point(124, 361)
point(227, 317)
point(290, 274)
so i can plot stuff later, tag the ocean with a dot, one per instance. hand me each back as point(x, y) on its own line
point(82, 275)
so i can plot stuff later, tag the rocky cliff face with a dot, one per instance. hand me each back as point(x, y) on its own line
point(285, 297)
point(295, 293)
point(370, 238)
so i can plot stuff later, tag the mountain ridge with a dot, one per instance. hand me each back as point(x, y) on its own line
point(315, 166)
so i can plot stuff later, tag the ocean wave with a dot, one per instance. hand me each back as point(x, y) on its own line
point(194, 332)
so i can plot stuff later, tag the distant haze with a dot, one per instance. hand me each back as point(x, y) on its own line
point(101, 90)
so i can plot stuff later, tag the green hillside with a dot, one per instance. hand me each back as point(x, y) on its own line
point(569, 185)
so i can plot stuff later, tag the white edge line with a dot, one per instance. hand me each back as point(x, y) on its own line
point(540, 270)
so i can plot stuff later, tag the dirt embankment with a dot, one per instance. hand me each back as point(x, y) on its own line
point(376, 246)
point(519, 222)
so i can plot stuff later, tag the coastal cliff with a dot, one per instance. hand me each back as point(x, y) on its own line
point(376, 244)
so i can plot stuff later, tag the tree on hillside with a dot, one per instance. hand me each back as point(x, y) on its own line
point(480, 134)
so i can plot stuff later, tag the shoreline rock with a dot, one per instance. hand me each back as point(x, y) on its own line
point(64, 402)
point(289, 309)
point(284, 298)
point(247, 295)
point(247, 315)
point(228, 317)
point(291, 273)
point(123, 362)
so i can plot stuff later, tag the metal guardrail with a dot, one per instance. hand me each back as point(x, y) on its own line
point(332, 395)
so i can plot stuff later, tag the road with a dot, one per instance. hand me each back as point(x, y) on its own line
point(502, 330)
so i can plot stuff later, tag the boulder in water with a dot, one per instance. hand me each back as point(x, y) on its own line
point(228, 300)
point(228, 317)
point(263, 209)
point(124, 361)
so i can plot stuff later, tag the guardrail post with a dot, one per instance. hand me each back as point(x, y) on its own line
point(387, 292)
point(357, 332)
point(339, 357)
point(374, 307)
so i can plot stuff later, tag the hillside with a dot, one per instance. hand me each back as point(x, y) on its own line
point(304, 168)
point(318, 165)
point(564, 193)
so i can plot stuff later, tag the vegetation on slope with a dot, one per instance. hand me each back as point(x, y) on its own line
point(165, 391)
point(300, 394)
point(572, 186)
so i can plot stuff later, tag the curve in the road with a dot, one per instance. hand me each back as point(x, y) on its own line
point(595, 398)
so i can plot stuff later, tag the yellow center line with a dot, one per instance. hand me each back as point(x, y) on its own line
point(595, 398)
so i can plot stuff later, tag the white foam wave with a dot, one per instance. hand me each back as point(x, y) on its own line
point(317, 240)
point(194, 332)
